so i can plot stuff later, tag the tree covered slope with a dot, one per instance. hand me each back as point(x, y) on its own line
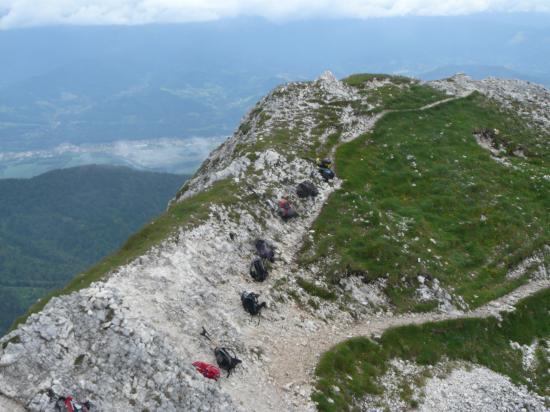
point(61, 222)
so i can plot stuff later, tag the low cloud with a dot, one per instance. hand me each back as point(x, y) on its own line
point(23, 13)
point(181, 156)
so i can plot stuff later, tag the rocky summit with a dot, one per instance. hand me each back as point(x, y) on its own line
point(364, 255)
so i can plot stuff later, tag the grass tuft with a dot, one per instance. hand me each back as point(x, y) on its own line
point(315, 290)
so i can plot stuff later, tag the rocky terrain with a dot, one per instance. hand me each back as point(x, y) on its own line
point(453, 387)
point(127, 342)
point(532, 101)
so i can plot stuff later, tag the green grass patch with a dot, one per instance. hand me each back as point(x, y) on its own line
point(401, 93)
point(315, 290)
point(78, 360)
point(186, 213)
point(408, 97)
point(420, 196)
point(358, 80)
point(13, 339)
point(355, 365)
point(425, 306)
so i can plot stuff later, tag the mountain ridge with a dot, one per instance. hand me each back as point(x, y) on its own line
point(149, 311)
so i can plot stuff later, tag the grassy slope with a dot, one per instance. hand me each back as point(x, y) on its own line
point(421, 176)
point(354, 365)
point(186, 213)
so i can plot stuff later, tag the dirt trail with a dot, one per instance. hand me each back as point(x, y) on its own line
point(430, 105)
point(297, 361)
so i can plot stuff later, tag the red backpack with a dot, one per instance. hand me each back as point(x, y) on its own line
point(68, 404)
point(286, 211)
point(207, 370)
point(71, 405)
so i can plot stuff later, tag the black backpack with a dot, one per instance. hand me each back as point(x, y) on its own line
point(258, 270)
point(306, 189)
point(226, 359)
point(326, 162)
point(251, 304)
point(326, 174)
point(265, 250)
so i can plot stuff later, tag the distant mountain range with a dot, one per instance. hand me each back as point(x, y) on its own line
point(482, 71)
point(89, 86)
point(59, 223)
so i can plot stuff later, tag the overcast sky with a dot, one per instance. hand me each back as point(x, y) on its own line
point(21, 13)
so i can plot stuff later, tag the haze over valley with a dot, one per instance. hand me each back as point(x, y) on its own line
point(76, 95)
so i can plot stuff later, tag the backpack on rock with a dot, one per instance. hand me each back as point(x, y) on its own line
point(306, 189)
point(251, 304)
point(258, 271)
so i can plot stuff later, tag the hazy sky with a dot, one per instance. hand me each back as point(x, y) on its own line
point(21, 13)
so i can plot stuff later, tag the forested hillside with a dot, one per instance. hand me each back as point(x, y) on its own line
point(61, 222)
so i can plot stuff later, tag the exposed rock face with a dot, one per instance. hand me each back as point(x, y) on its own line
point(450, 387)
point(536, 264)
point(292, 106)
point(478, 389)
point(90, 343)
point(128, 343)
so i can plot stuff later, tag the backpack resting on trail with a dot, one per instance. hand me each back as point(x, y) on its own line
point(207, 370)
point(265, 250)
point(306, 189)
point(326, 162)
point(68, 404)
point(258, 270)
point(326, 173)
point(226, 359)
point(286, 211)
point(251, 304)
